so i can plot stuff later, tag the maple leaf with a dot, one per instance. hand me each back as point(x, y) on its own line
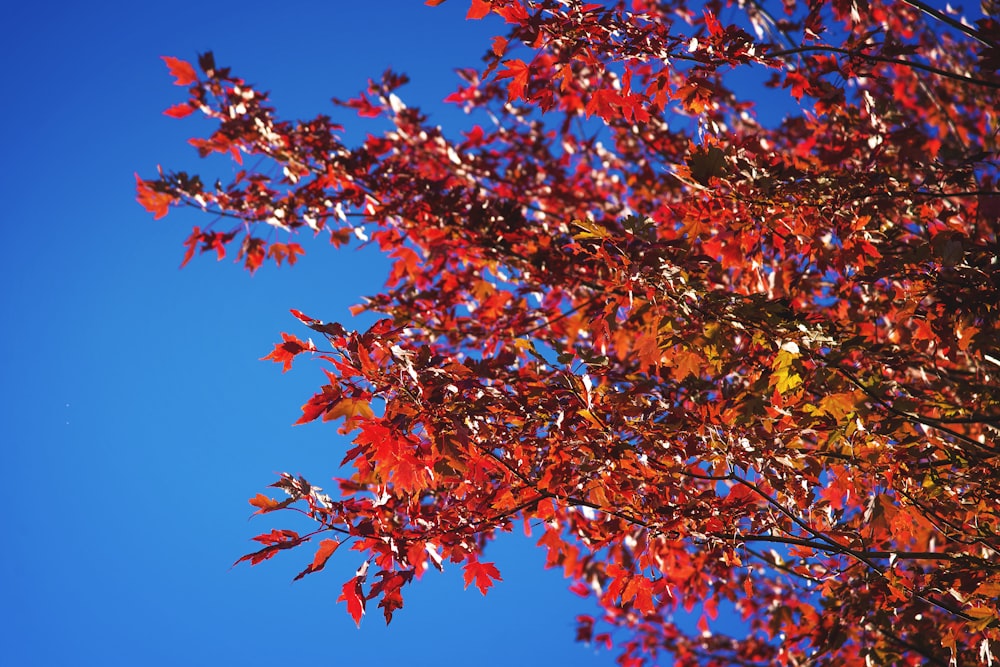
point(478, 9)
point(352, 593)
point(279, 252)
point(157, 203)
point(326, 549)
point(518, 73)
point(499, 46)
point(275, 541)
point(781, 364)
point(982, 618)
point(182, 70)
point(352, 410)
point(706, 164)
point(284, 352)
point(264, 503)
point(603, 103)
point(483, 574)
point(712, 23)
point(179, 110)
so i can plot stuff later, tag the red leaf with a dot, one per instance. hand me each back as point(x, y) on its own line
point(712, 23)
point(303, 317)
point(517, 72)
point(284, 353)
point(478, 9)
point(326, 549)
point(499, 46)
point(264, 503)
point(279, 252)
point(434, 3)
point(182, 70)
point(191, 244)
point(276, 540)
point(319, 404)
point(482, 573)
point(157, 203)
point(179, 110)
point(352, 594)
point(602, 103)
point(278, 537)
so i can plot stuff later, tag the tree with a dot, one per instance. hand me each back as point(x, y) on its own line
point(720, 361)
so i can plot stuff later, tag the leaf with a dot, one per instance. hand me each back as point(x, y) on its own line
point(784, 378)
point(275, 541)
point(326, 549)
point(179, 110)
point(284, 353)
point(482, 573)
point(591, 230)
point(157, 203)
point(352, 594)
point(329, 329)
point(478, 9)
point(264, 503)
point(639, 592)
point(707, 164)
point(603, 103)
point(838, 405)
point(352, 410)
point(319, 404)
point(518, 72)
point(303, 317)
point(982, 618)
point(183, 71)
point(773, 336)
point(279, 252)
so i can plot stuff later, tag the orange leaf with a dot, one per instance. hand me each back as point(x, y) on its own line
point(183, 71)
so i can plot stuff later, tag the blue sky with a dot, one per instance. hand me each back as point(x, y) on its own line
point(137, 419)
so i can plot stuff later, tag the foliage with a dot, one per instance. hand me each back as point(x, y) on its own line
point(721, 362)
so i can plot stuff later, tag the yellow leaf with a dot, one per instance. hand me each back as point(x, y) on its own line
point(982, 617)
point(591, 230)
point(783, 379)
point(352, 409)
point(589, 416)
point(990, 589)
point(837, 406)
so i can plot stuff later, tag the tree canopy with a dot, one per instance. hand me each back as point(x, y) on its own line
point(715, 359)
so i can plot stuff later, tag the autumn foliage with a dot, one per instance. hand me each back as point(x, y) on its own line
point(714, 353)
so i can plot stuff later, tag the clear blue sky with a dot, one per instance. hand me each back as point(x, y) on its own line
point(136, 418)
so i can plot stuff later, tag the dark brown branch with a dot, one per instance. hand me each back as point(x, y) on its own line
point(885, 59)
point(944, 18)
